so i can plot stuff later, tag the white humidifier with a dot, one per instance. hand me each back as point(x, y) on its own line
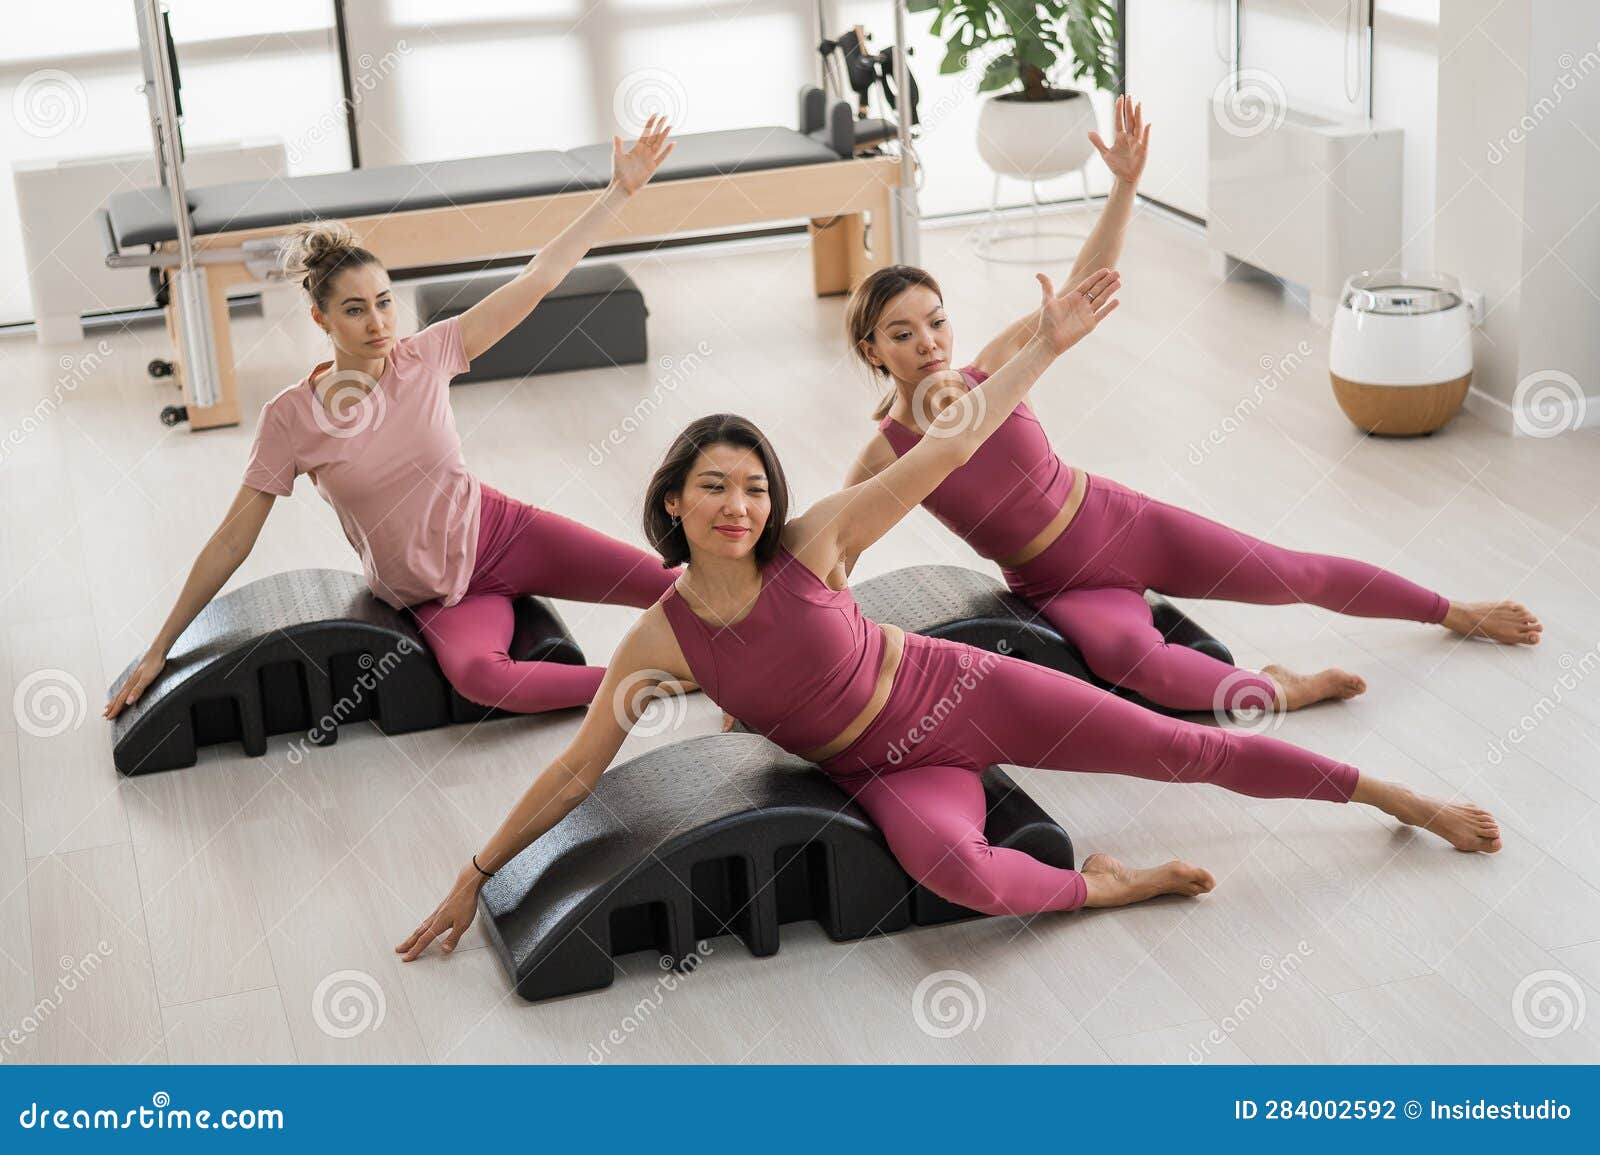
point(1401, 353)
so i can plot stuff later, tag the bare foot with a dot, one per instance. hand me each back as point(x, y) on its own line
point(1465, 826)
point(1297, 690)
point(1507, 622)
point(1113, 884)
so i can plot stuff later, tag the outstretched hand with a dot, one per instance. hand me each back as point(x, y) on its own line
point(1066, 319)
point(632, 170)
point(449, 920)
point(1125, 155)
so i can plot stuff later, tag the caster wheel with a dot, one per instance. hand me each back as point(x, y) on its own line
point(159, 368)
point(174, 415)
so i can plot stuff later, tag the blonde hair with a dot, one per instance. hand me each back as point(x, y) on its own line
point(865, 310)
point(317, 252)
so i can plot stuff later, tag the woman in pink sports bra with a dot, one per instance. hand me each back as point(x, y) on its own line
point(373, 430)
point(1081, 548)
point(905, 724)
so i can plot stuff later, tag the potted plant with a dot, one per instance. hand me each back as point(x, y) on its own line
point(1034, 131)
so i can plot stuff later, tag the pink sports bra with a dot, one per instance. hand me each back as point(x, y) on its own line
point(1012, 488)
point(798, 667)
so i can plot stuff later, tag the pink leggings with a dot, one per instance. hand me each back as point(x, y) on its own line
point(1090, 582)
point(955, 709)
point(523, 550)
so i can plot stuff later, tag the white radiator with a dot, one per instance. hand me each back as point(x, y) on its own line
point(1308, 198)
point(59, 203)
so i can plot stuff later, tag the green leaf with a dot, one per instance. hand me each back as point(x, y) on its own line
point(1002, 71)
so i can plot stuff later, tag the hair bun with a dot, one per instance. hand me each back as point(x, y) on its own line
point(313, 245)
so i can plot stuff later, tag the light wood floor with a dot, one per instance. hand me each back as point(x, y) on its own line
point(212, 914)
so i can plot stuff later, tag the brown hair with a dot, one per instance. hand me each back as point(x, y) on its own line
point(317, 252)
point(865, 310)
point(665, 534)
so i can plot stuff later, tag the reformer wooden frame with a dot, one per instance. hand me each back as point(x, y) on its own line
point(839, 199)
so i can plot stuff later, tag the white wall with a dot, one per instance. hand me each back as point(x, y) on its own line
point(1177, 59)
point(1519, 166)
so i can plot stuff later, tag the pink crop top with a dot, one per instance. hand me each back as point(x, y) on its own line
point(798, 667)
point(1012, 488)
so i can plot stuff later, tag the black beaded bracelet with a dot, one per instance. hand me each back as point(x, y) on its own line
point(481, 870)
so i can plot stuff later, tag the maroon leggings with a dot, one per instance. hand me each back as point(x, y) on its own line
point(955, 709)
point(1089, 584)
point(523, 550)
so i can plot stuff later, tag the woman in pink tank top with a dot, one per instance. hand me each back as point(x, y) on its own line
point(373, 430)
point(1082, 549)
point(905, 724)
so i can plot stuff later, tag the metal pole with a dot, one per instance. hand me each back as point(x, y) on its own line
point(1371, 50)
point(1235, 42)
point(188, 296)
point(907, 234)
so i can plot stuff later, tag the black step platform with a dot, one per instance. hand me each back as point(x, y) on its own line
point(725, 834)
point(306, 651)
point(947, 601)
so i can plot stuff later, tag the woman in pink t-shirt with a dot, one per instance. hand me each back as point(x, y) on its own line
point(374, 431)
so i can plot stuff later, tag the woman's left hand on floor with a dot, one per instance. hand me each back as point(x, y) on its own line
point(632, 170)
point(450, 919)
point(1125, 155)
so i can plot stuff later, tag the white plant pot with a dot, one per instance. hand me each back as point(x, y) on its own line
point(1036, 140)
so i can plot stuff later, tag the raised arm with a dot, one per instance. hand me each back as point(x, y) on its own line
point(1125, 158)
point(839, 527)
point(641, 664)
point(502, 310)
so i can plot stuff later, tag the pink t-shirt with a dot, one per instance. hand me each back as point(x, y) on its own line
point(389, 463)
